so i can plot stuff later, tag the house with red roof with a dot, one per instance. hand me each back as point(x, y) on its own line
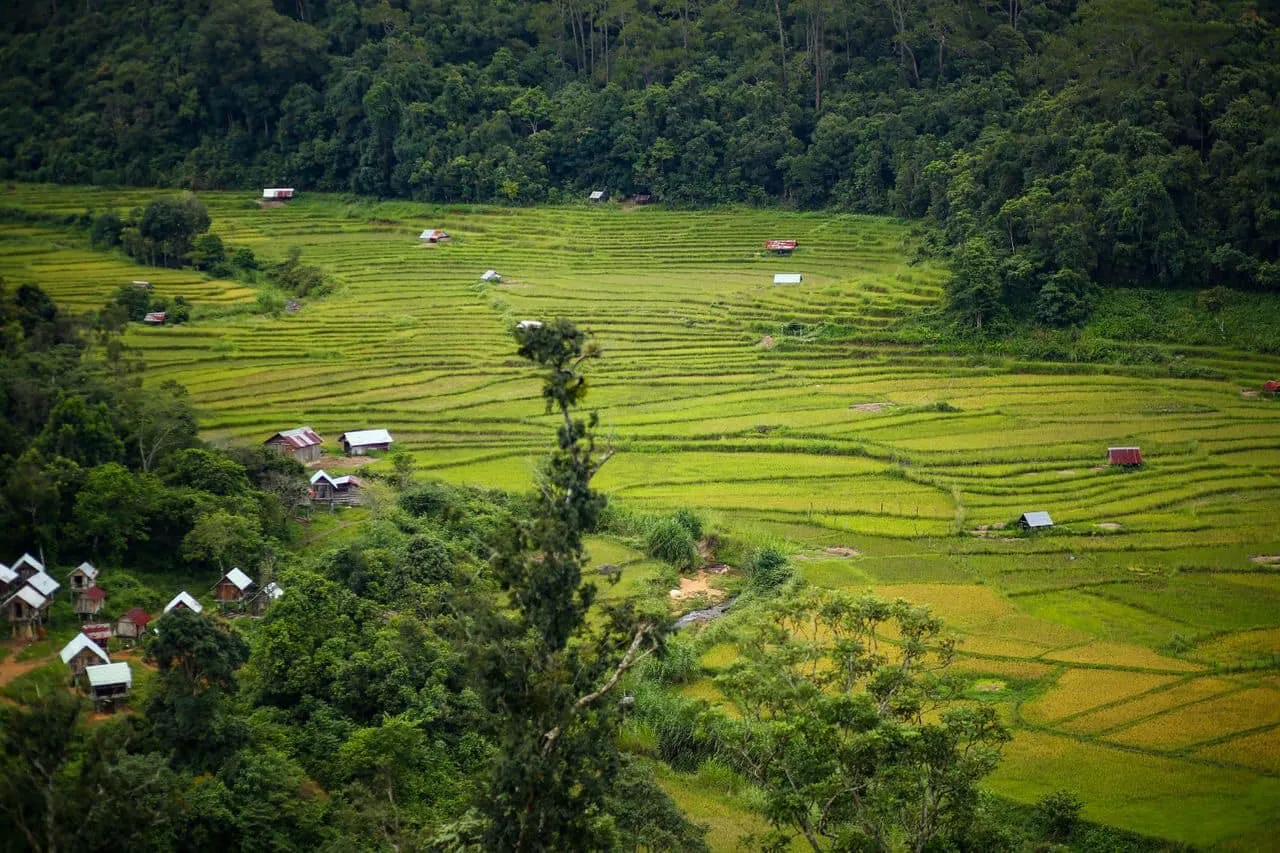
point(302, 443)
point(1129, 456)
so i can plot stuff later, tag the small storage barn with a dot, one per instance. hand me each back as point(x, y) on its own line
point(109, 683)
point(1035, 521)
point(131, 625)
point(343, 490)
point(788, 278)
point(302, 443)
point(491, 275)
point(24, 610)
point(154, 318)
point(1271, 386)
point(363, 441)
point(598, 196)
point(43, 584)
point(529, 324)
point(642, 198)
point(1129, 456)
point(82, 577)
point(781, 247)
point(26, 566)
point(89, 601)
point(80, 654)
point(434, 235)
point(8, 579)
point(233, 587)
point(277, 193)
point(183, 599)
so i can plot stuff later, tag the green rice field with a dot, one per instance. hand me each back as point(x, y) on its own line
point(1143, 630)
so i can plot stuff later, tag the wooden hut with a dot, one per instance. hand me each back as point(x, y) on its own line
point(155, 318)
point(80, 654)
point(89, 602)
point(26, 566)
point(491, 275)
point(82, 577)
point(434, 235)
point(302, 443)
point(1127, 456)
point(43, 584)
point(343, 490)
point(1035, 521)
point(360, 442)
point(781, 247)
point(25, 610)
point(131, 625)
point(183, 600)
point(277, 193)
point(109, 683)
point(598, 196)
point(233, 587)
point(788, 278)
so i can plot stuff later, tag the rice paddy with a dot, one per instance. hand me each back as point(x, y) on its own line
point(798, 411)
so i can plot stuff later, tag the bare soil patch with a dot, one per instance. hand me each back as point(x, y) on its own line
point(767, 342)
point(1067, 472)
point(340, 462)
point(1245, 392)
point(698, 585)
point(870, 408)
point(11, 667)
point(269, 204)
point(1266, 559)
point(1108, 525)
point(1098, 468)
point(842, 551)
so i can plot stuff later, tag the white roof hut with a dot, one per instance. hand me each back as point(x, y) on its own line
point(46, 585)
point(598, 195)
point(1035, 520)
point(277, 193)
point(491, 275)
point(184, 599)
point(434, 235)
point(529, 324)
point(7, 575)
point(788, 278)
point(81, 643)
point(28, 562)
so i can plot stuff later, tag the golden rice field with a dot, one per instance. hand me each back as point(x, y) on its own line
point(1137, 643)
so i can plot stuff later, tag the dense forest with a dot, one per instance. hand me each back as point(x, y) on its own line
point(1055, 145)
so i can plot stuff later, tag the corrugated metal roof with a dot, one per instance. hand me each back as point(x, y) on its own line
point(300, 437)
point(78, 644)
point(434, 234)
point(185, 599)
point(1037, 519)
point(365, 437)
point(94, 593)
point(45, 584)
point(154, 317)
point(88, 569)
point(788, 278)
point(321, 475)
point(239, 578)
point(491, 275)
point(108, 674)
point(137, 616)
point(27, 559)
point(273, 590)
point(30, 596)
point(7, 575)
point(596, 195)
point(529, 324)
point(1124, 455)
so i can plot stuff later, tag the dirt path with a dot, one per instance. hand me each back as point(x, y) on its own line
point(11, 667)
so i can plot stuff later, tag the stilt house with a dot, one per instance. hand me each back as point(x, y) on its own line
point(109, 683)
point(233, 587)
point(80, 654)
point(89, 602)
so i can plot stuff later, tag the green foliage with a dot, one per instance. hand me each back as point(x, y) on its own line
point(1057, 814)
point(299, 279)
point(163, 233)
point(768, 568)
point(670, 540)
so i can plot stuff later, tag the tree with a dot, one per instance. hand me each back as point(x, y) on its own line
point(834, 727)
point(974, 290)
point(195, 467)
point(159, 420)
point(112, 508)
point(223, 539)
point(547, 671)
point(36, 772)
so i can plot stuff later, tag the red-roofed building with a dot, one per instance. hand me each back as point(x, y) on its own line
point(302, 443)
point(1124, 456)
point(782, 247)
point(154, 318)
point(89, 601)
point(1271, 386)
point(133, 623)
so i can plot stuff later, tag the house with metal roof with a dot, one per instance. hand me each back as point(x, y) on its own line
point(82, 577)
point(1130, 456)
point(332, 490)
point(109, 682)
point(155, 318)
point(599, 195)
point(81, 653)
point(491, 275)
point(132, 623)
point(8, 577)
point(185, 600)
point(88, 602)
point(26, 566)
point(788, 278)
point(24, 609)
point(302, 443)
point(362, 441)
point(265, 596)
point(524, 325)
point(44, 584)
point(1035, 521)
point(277, 193)
point(233, 587)
point(781, 247)
point(434, 235)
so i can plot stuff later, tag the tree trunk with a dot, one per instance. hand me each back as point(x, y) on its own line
point(782, 43)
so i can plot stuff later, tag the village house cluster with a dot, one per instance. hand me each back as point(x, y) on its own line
point(307, 446)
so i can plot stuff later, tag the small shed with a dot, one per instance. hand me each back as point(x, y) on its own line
point(233, 587)
point(788, 278)
point(132, 623)
point(263, 599)
point(363, 441)
point(491, 275)
point(142, 285)
point(44, 584)
point(8, 578)
point(88, 602)
point(26, 566)
point(781, 247)
point(109, 682)
point(1128, 456)
point(24, 610)
point(1035, 521)
point(434, 235)
point(302, 443)
point(642, 198)
point(185, 600)
point(80, 654)
point(277, 193)
point(332, 490)
point(524, 325)
point(154, 318)
point(1271, 386)
point(82, 577)
point(599, 195)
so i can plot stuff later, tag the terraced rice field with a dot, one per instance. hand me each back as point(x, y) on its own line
point(717, 394)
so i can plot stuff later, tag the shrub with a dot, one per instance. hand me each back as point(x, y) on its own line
point(689, 520)
point(1057, 814)
point(768, 568)
point(671, 541)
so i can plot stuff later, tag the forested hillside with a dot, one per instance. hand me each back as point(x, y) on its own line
point(1056, 144)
